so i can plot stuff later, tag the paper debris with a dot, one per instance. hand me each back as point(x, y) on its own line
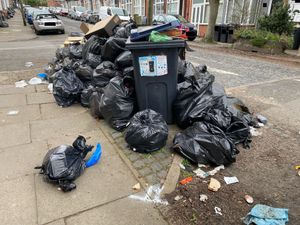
point(203, 198)
point(218, 211)
point(214, 185)
point(21, 84)
point(231, 180)
point(137, 187)
point(12, 112)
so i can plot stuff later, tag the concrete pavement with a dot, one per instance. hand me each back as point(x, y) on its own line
point(102, 194)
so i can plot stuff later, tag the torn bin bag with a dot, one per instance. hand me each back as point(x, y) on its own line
point(112, 48)
point(118, 103)
point(103, 73)
point(147, 131)
point(63, 164)
point(205, 143)
point(194, 97)
point(67, 87)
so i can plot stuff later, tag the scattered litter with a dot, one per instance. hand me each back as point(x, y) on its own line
point(50, 88)
point(218, 211)
point(178, 197)
point(182, 166)
point(266, 215)
point(12, 112)
point(200, 173)
point(35, 80)
point(261, 119)
point(42, 76)
point(136, 187)
point(214, 185)
point(21, 84)
point(203, 198)
point(260, 124)
point(64, 163)
point(29, 64)
point(249, 199)
point(152, 195)
point(231, 180)
point(215, 170)
point(254, 132)
point(186, 180)
point(202, 165)
point(95, 157)
point(297, 167)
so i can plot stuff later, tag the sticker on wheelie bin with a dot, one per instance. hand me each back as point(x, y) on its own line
point(151, 66)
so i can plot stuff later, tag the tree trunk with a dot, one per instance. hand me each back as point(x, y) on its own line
point(150, 12)
point(213, 13)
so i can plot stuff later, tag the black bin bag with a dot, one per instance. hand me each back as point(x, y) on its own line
point(93, 60)
point(94, 102)
point(124, 60)
point(83, 71)
point(118, 103)
point(194, 97)
point(85, 96)
point(67, 87)
point(206, 144)
point(112, 48)
point(147, 131)
point(63, 164)
point(93, 45)
point(103, 73)
point(75, 51)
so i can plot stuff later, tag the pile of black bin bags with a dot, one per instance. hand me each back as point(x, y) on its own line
point(99, 75)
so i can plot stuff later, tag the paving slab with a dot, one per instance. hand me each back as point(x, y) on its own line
point(62, 126)
point(57, 222)
point(52, 110)
point(12, 100)
point(14, 134)
point(42, 88)
point(17, 201)
point(39, 98)
point(122, 212)
point(107, 181)
point(11, 89)
point(25, 113)
point(20, 160)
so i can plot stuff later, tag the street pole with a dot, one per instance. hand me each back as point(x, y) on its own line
point(22, 11)
point(150, 12)
point(91, 1)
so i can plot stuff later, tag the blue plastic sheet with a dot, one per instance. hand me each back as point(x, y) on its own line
point(266, 215)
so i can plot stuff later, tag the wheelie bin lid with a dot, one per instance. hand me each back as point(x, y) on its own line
point(154, 45)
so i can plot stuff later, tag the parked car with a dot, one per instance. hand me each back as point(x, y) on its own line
point(72, 14)
point(76, 12)
point(29, 13)
point(85, 16)
point(110, 11)
point(63, 12)
point(47, 22)
point(94, 18)
point(187, 28)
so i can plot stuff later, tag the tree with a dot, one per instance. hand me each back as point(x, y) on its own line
point(280, 21)
point(213, 13)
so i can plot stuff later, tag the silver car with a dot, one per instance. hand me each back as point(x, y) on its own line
point(47, 22)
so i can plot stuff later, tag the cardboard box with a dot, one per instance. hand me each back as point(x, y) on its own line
point(104, 28)
point(85, 27)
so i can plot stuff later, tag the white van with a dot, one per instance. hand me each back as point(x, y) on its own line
point(111, 11)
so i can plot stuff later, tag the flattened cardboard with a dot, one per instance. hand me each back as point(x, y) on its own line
point(104, 28)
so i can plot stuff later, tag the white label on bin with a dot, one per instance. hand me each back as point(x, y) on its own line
point(151, 66)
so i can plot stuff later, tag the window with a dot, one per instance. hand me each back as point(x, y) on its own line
point(139, 7)
point(200, 11)
point(158, 7)
point(173, 6)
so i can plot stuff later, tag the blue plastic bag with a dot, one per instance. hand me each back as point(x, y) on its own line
point(95, 157)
